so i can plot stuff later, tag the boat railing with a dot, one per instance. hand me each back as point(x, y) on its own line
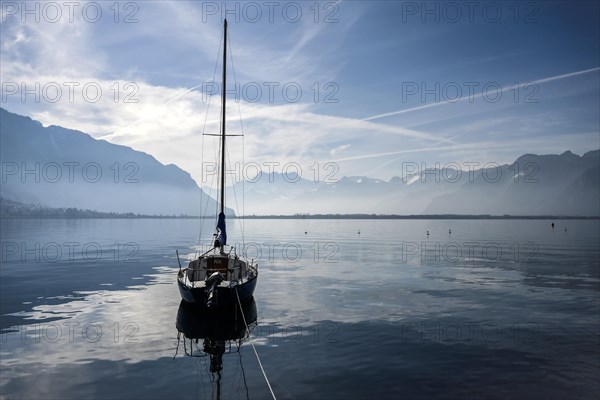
point(198, 271)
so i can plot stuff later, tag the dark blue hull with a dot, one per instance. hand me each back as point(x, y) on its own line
point(225, 297)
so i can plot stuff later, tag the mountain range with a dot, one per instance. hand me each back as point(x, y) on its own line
point(59, 167)
point(565, 184)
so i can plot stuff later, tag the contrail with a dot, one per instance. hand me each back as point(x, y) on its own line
point(433, 146)
point(511, 87)
point(391, 153)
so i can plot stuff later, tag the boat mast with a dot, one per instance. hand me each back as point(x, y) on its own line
point(223, 121)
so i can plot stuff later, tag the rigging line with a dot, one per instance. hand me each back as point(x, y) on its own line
point(237, 207)
point(221, 168)
point(197, 376)
point(241, 220)
point(236, 379)
point(199, 249)
point(235, 80)
point(212, 385)
point(220, 171)
point(252, 344)
point(207, 374)
point(213, 80)
point(234, 388)
point(218, 166)
point(203, 214)
point(201, 198)
point(243, 372)
point(178, 340)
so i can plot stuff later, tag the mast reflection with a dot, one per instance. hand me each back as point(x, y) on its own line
point(218, 329)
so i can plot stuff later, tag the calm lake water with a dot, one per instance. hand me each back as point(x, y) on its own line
point(496, 309)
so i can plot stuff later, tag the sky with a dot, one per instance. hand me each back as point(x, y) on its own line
point(354, 88)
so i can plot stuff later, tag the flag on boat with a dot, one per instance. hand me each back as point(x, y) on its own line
point(221, 232)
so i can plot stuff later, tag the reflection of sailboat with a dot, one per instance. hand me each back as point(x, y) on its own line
point(218, 277)
point(217, 329)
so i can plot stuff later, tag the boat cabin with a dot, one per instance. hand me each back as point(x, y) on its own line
point(231, 268)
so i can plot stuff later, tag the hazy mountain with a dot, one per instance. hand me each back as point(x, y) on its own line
point(59, 167)
point(565, 184)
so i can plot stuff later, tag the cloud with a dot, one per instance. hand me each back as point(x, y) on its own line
point(177, 51)
point(479, 95)
point(168, 120)
point(338, 149)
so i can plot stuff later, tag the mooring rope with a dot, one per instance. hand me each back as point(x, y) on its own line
point(254, 348)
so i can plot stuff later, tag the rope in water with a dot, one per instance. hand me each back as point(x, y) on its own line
point(254, 348)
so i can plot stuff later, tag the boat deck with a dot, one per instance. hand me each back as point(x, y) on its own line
point(198, 284)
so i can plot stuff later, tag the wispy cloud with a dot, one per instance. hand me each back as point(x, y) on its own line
point(479, 95)
point(338, 149)
point(171, 53)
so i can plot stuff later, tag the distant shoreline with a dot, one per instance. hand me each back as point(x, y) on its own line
point(12, 210)
point(318, 216)
point(431, 216)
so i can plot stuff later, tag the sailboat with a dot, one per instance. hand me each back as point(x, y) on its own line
point(219, 277)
